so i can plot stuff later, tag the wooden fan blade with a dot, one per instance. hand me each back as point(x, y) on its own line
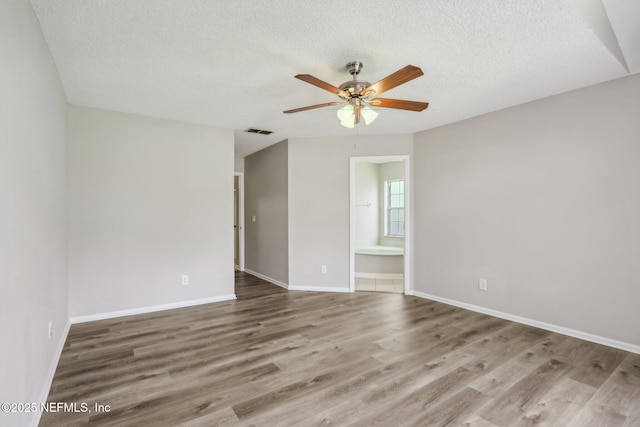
point(322, 85)
point(311, 107)
point(402, 76)
point(399, 104)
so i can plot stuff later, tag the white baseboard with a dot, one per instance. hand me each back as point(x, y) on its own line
point(535, 323)
point(267, 278)
point(44, 394)
point(296, 288)
point(318, 289)
point(394, 276)
point(150, 309)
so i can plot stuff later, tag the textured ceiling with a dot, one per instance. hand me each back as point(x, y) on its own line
point(232, 63)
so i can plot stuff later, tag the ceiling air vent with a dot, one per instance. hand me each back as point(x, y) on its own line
point(260, 131)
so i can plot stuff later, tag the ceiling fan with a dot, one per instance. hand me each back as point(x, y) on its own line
point(357, 96)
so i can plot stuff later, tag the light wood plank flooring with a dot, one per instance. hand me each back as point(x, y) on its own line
point(287, 358)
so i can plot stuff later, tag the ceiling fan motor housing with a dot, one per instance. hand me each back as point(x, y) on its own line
point(354, 87)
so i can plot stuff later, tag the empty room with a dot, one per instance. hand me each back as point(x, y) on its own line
point(297, 213)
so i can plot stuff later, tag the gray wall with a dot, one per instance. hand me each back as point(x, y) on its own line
point(319, 204)
point(33, 257)
point(367, 191)
point(238, 164)
point(266, 240)
point(543, 201)
point(149, 200)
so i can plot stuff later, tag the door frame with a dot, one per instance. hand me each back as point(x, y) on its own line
point(408, 257)
point(240, 266)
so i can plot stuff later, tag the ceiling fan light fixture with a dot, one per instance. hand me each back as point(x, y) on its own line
point(347, 113)
point(346, 116)
point(368, 114)
point(347, 123)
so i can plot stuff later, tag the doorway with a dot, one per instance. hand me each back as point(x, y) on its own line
point(380, 229)
point(238, 221)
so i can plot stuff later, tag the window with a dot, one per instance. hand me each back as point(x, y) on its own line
point(394, 208)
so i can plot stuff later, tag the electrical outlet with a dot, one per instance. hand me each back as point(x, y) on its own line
point(482, 284)
point(184, 279)
point(50, 329)
point(323, 269)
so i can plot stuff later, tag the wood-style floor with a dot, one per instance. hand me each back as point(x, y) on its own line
point(291, 358)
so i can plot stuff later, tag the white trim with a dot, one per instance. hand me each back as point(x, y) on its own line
point(408, 192)
point(318, 289)
point(408, 225)
point(150, 309)
point(535, 323)
point(240, 175)
point(44, 394)
point(296, 288)
point(352, 220)
point(395, 276)
point(267, 278)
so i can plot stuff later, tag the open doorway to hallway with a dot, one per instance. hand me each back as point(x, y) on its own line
point(379, 226)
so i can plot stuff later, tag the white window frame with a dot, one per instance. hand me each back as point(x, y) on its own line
point(388, 208)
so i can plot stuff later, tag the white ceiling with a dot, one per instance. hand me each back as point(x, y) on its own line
point(232, 63)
